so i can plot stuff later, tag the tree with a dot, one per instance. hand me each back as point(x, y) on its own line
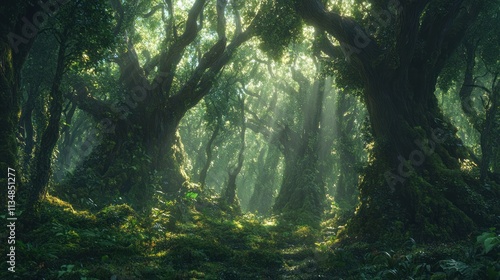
point(301, 197)
point(69, 31)
point(297, 127)
point(16, 38)
point(477, 50)
point(262, 196)
point(228, 196)
point(155, 96)
point(414, 183)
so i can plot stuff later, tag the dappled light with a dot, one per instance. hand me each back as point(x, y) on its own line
point(250, 139)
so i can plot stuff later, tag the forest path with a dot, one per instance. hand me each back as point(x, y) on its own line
point(301, 262)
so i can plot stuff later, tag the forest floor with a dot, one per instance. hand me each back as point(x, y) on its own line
point(188, 239)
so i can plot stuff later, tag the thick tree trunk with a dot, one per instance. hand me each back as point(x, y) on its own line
point(130, 164)
point(15, 44)
point(302, 193)
point(414, 183)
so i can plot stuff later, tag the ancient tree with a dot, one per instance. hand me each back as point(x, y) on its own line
point(414, 182)
point(155, 95)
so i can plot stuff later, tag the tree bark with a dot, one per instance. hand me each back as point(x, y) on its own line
point(42, 168)
point(229, 196)
point(413, 183)
point(14, 48)
point(142, 151)
point(302, 193)
point(208, 151)
point(346, 191)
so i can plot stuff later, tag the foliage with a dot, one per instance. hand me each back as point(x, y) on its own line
point(279, 26)
point(208, 243)
point(127, 218)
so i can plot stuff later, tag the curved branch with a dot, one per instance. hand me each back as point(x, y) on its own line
point(357, 45)
point(153, 11)
point(170, 58)
point(94, 107)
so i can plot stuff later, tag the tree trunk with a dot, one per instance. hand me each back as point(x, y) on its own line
point(229, 195)
point(42, 168)
point(302, 193)
point(26, 128)
point(130, 163)
point(15, 44)
point(208, 151)
point(9, 108)
point(413, 185)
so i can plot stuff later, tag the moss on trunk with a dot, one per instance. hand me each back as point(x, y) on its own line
point(421, 193)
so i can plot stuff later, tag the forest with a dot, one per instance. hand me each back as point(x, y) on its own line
point(250, 139)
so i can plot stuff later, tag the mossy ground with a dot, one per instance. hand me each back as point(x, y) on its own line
point(192, 238)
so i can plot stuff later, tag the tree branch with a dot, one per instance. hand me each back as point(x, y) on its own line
point(357, 45)
point(96, 108)
point(153, 11)
point(169, 60)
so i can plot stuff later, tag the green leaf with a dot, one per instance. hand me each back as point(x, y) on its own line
point(490, 243)
point(191, 195)
point(450, 266)
point(485, 235)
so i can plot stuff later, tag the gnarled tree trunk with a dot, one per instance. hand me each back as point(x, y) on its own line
point(414, 183)
point(302, 193)
point(141, 150)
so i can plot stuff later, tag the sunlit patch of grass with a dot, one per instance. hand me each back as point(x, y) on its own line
point(270, 222)
point(238, 225)
point(467, 165)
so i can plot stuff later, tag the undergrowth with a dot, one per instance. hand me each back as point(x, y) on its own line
point(193, 238)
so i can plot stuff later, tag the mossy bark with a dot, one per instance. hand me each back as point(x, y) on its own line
point(301, 197)
point(14, 49)
point(9, 108)
point(414, 186)
point(42, 167)
point(127, 167)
